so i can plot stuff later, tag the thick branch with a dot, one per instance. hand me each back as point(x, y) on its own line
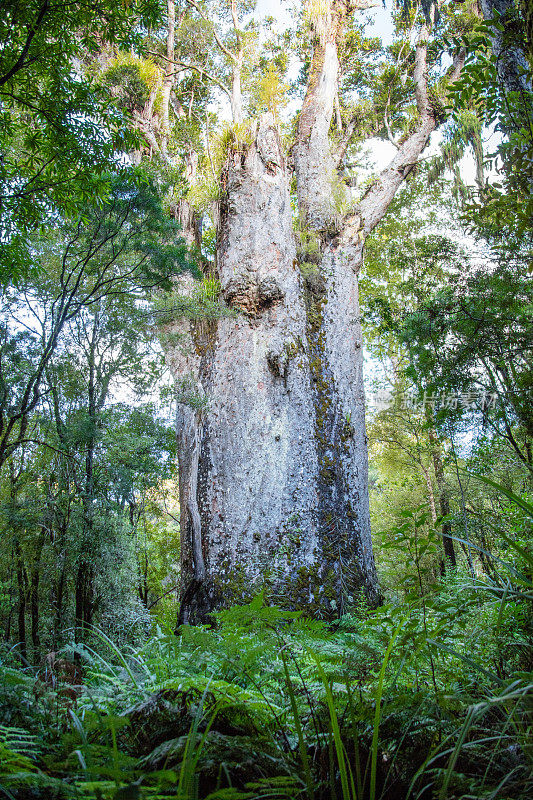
point(351, 127)
point(420, 73)
point(19, 64)
point(222, 46)
point(376, 201)
point(390, 137)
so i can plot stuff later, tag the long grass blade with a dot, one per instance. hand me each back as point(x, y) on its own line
point(514, 498)
point(465, 728)
point(299, 732)
point(377, 715)
point(343, 764)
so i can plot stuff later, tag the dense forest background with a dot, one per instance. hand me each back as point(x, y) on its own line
point(117, 124)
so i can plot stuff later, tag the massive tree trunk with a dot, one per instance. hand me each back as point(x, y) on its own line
point(272, 448)
point(271, 416)
point(249, 465)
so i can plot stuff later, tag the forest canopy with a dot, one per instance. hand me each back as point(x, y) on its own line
point(266, 393)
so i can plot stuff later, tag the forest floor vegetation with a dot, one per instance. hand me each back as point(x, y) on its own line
point(425, 698)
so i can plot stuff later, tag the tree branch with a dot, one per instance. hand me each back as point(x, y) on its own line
point(222, 46)
point(390, 137)
point(377, 199)
point(182, 66)
point(19, 64)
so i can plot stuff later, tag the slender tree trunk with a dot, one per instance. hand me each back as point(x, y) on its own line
point(466, 533)
point(12, 604)
point(485, 554)
point(79, 599)
point(84, 591)
point(431, 493)
point(59, 593)
point(22, 586)
point(34, 597)
point(142, 563)
point(444, 502)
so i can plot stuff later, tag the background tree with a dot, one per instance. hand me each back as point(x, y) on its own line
point(435, 415)
point(93, 461)
point(475, 336)
point(59, 133)
point(127, 246)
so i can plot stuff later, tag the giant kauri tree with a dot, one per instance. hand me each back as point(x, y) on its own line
point(271, 411)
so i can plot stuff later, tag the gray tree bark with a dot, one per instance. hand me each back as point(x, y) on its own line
point(273, 451)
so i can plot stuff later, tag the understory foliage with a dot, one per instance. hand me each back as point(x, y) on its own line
point(430, 697)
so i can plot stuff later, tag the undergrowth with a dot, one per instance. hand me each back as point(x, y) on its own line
point(427, 698)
